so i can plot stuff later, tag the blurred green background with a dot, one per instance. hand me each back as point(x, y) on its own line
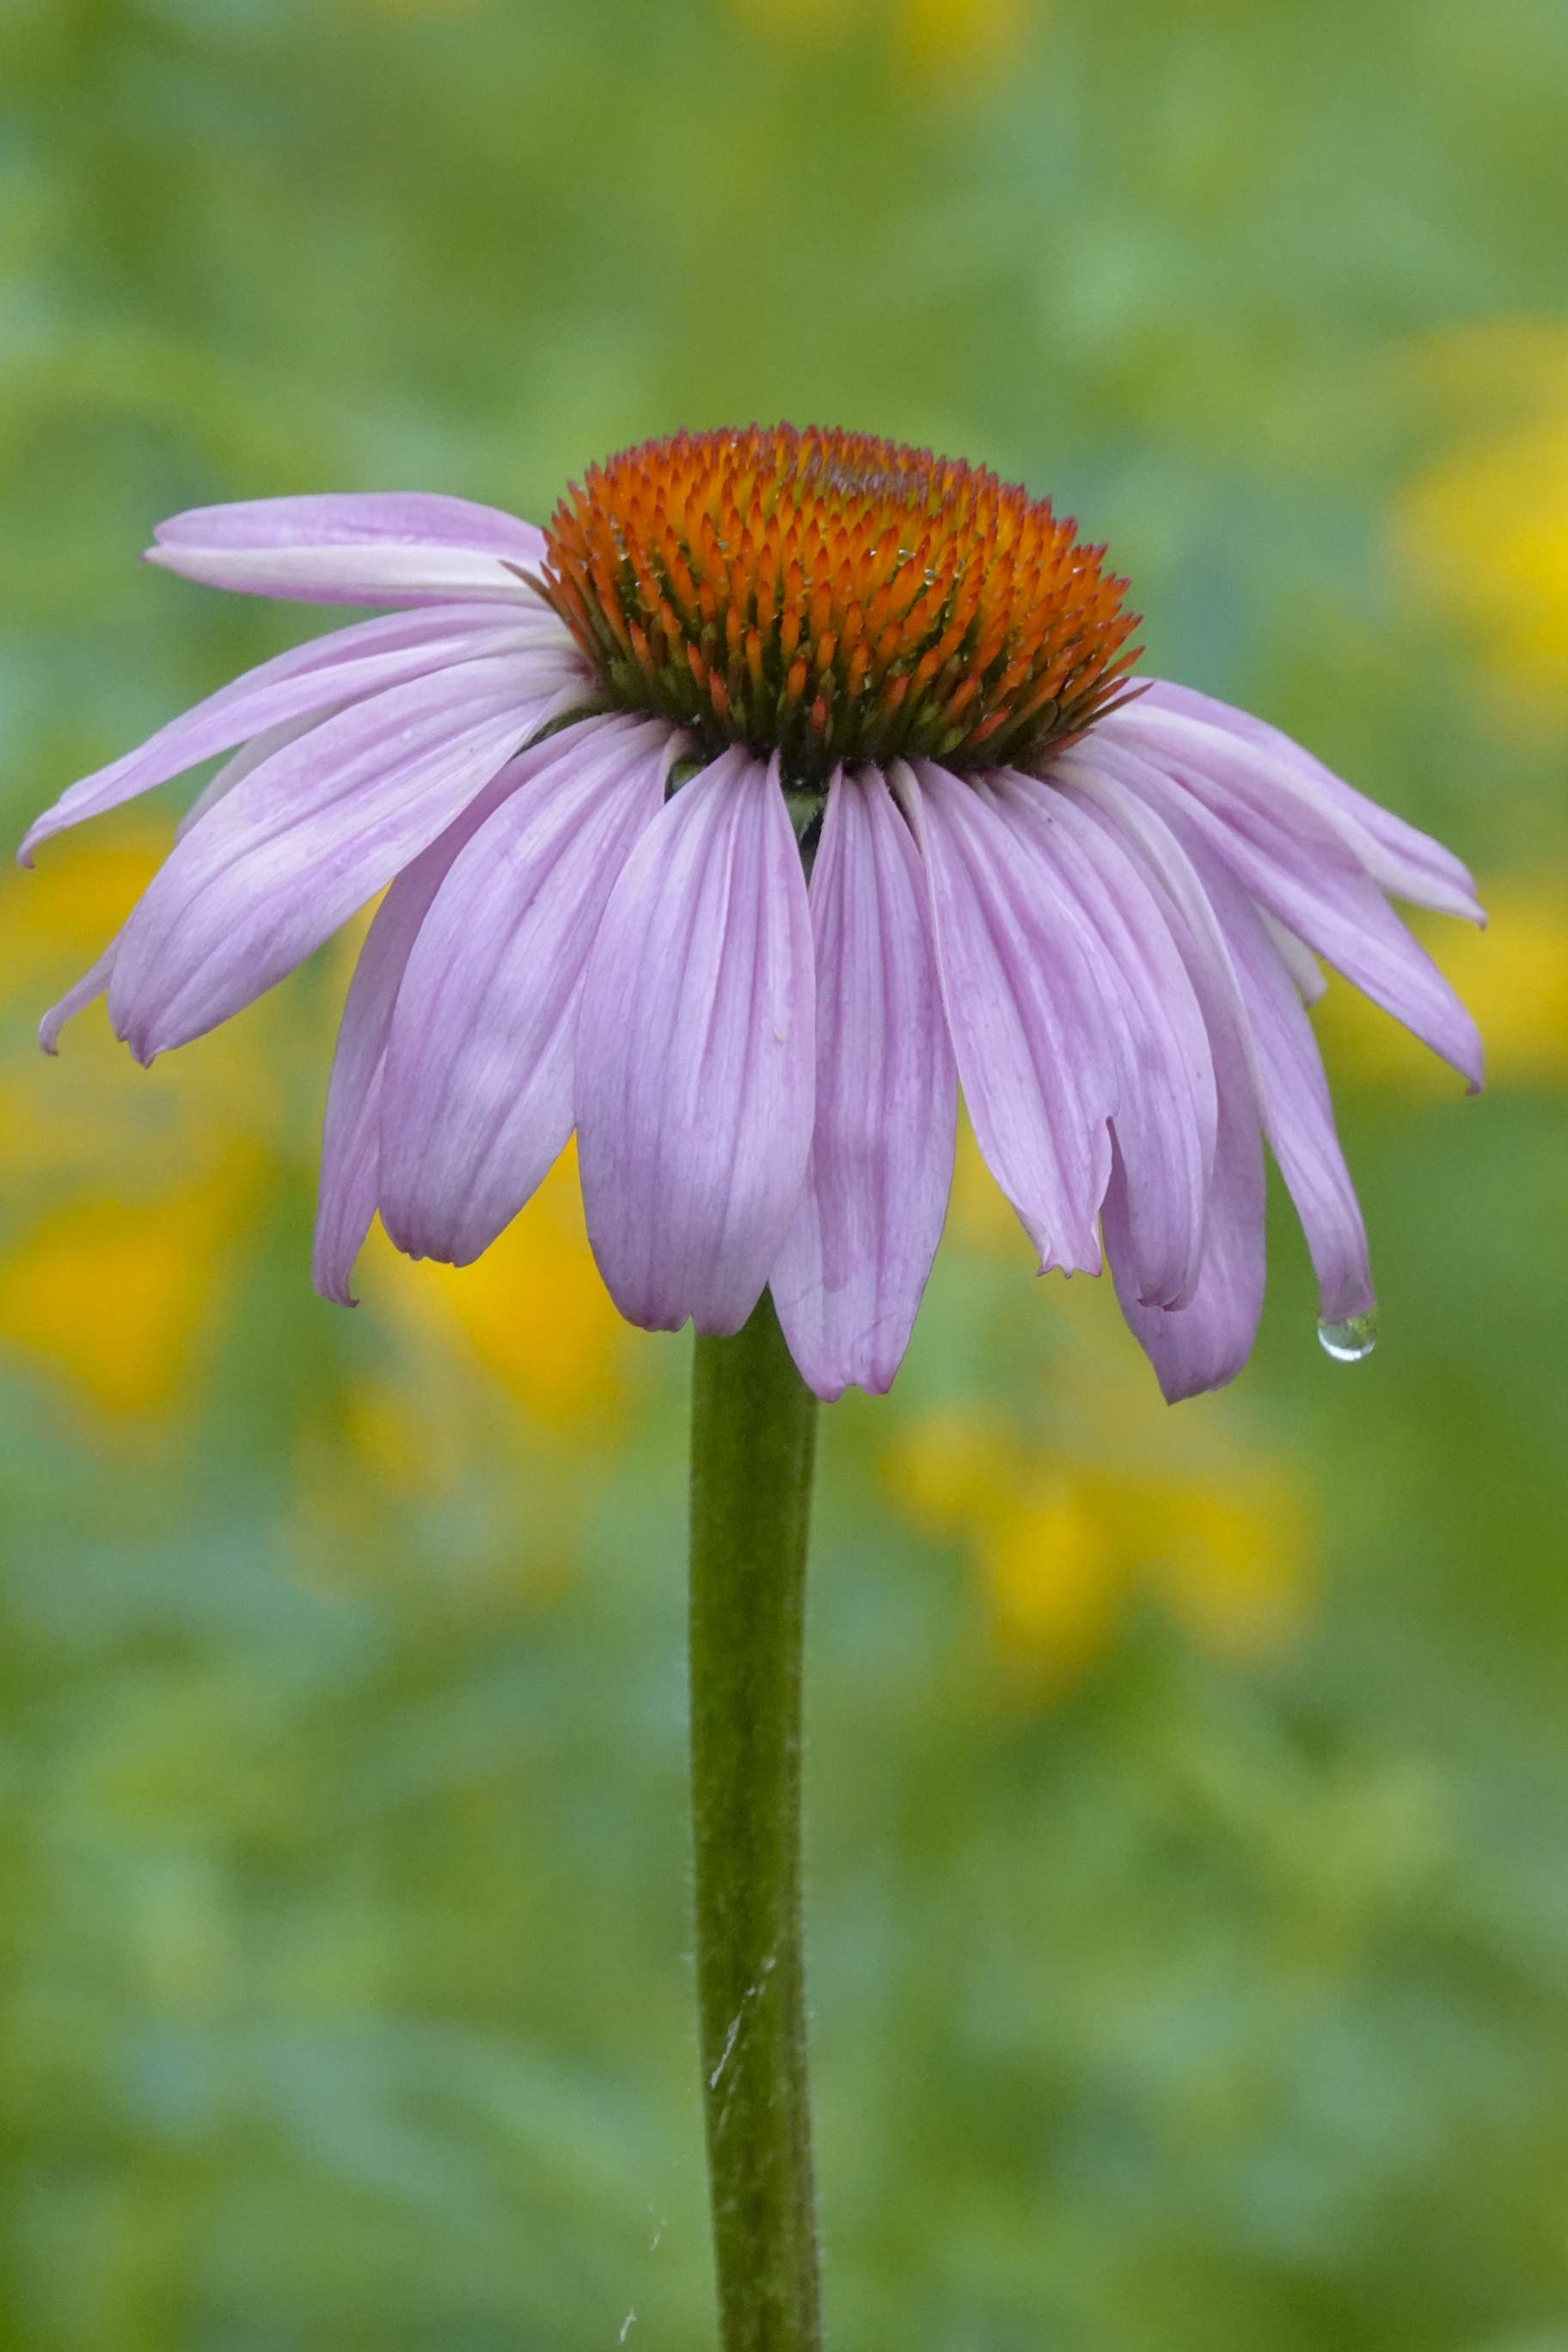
point(1188, 1790)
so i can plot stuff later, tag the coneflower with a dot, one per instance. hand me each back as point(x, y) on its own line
point(596, 764)
point(786, 783)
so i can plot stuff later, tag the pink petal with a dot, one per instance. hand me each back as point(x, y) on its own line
point(696, 1053)
point(1307, 975)
point(1298, 1112)
point(381, 548)
point(346, 519)
point(1253, 1012)
point(1302, 873)
point(849, 1281)
point(250, 756)
point(1028, 1028)
point(477, 1099)
point(332, 671)
point(1415, 867)
point(91, 984)
point(1142, 833)
point(1205, 1343)
point(1165, 1112)
point(350, 1134)
point(350, 1141)
point(1235, 772)
point(309, 837)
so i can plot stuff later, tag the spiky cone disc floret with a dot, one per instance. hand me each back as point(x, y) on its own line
point(837, 598)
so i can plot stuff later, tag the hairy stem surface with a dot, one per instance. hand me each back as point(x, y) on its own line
point(753, 1430)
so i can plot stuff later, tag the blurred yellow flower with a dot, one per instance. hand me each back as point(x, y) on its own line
point(483, 1371)
point(111, 1274)
point(1090, 1498)
point(1065, 1547)
point(1482, 533)
point(408, 1434)
point(116, 1296)
point(533, 1310)
point(110, 1277)
point(973, 39)
point(1513, 976)
point(969, 40)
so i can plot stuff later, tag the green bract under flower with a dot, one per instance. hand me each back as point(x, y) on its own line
point(834, 597)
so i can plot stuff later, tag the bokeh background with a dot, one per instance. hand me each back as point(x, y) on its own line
point(1188, 1790)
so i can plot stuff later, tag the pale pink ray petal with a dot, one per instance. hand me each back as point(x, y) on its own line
point(477, 1096)
point(1143, 835)
point(91, 986)
point(1254, 784)
point(94, 982)
point(350, 1139)
point(1027, 1026)
point(308, 837)
point(1308, 977)
point(1250, 997)
point(250, 756)
point(849, 1281)
point(1302, 873)
point(1416, 868)
point(1166, 1111)
point(380, 548)
point(343, 667)
point(1299, 1116)
point(1205, 1343)
point(351, 517)
point(345, 1196)
point(696, 1053)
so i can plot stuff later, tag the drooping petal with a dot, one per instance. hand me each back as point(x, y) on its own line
point(1253, 1006)
point(1308, 977)
point(76, 1000)
point(94, 982)
point(478, 1098)
point(1236, 775)
point(1165, 1114)
point(848, 1284)
point(350, 1139)
point(380, 548)
point(1301, 872)
point(1205, 1343)
point(309, 837)
point(1413, 866)
point(232, 772)
point(696, 1053)
point(344, 667)
point(351, 1135)
point(1298, 1111)
point(1143, 834)
point(1028, 1029)
point(249, 756)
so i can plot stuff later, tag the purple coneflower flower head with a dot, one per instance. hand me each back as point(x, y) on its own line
point(786, 782)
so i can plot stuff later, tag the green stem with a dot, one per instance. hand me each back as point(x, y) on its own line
point(753, 1432)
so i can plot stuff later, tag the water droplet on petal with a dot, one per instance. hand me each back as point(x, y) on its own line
point(1348, 1342)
